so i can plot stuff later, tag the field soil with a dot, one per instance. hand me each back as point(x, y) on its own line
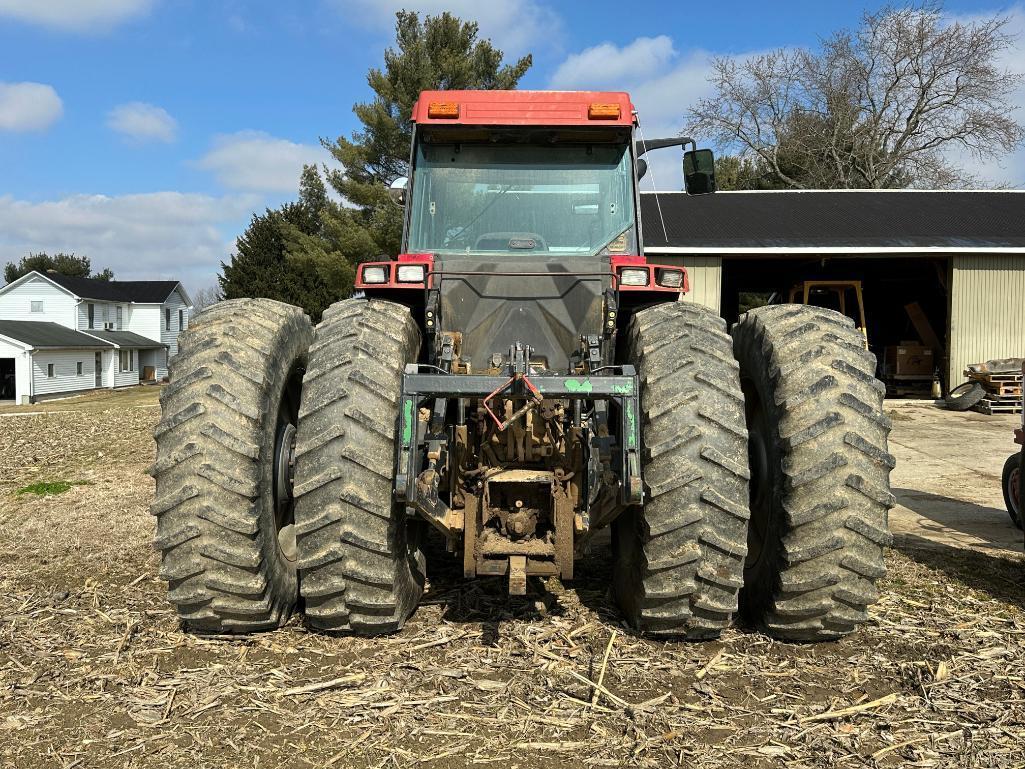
point(95, 670)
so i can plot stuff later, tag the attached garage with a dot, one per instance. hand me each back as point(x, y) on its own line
point(47, 359)
point(943, 270)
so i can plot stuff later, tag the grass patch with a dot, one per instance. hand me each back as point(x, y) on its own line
point(50, 487)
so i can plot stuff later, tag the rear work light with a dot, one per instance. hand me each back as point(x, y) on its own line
point(669, 278)
point(375, 274)
point(603, 111)
point(633, 277)
point(443, 109)
point(411, 273)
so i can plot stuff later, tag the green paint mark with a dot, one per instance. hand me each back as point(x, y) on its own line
point(623, 389)
point(631, 421)
point(579, 385)
point(407, 421)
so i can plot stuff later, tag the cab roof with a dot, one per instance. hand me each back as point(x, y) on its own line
point(525, 108)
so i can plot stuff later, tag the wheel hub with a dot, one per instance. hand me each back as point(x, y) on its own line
point(284, 476)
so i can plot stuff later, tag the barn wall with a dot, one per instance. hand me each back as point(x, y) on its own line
point(703, 272)
point(987, 310)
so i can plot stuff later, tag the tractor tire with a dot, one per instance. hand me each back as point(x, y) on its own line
point(678, 560)
point(360, 555)
point(820, 472)
point(225, 534)
point(1011, 483)
point(964, 396)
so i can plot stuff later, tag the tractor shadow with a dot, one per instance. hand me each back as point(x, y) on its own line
point(486, 601)
point(991, 565)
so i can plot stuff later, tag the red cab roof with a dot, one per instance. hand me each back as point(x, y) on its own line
point(517, 108)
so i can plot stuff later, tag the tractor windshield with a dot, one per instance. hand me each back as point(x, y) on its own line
point(521, 199)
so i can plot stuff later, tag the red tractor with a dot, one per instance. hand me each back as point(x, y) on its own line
point(518, 378)
point(1013, 477)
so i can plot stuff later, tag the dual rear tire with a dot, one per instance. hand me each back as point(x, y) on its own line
point(766, 472)
point(811, 471)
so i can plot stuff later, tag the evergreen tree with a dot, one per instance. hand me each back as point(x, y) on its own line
point(66, 264)
point(437, 52)
point(262, 266)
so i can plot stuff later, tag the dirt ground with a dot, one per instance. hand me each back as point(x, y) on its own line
point(95, 671)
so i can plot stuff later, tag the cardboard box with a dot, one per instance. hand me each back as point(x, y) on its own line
point(908, 360)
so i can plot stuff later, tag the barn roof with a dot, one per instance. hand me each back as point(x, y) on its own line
point(835, 219)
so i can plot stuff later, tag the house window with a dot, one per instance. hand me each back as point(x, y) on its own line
point(120, 316)
point(49, 371)
point(37, 306)
point(92, 316)
point(167, 318)
point(78, 368)
point(127, 360)
point(181, 320)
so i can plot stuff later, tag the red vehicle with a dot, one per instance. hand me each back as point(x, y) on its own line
point(1013, 480)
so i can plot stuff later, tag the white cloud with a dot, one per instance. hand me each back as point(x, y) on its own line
point(256, 161)
point(142, 122)
point(515, 26)
point(608, 63)
point(74, 15)
point(28, 106)
point(159, 235)
point(662, 83)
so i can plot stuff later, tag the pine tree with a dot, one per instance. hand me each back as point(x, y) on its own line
point(438, 52)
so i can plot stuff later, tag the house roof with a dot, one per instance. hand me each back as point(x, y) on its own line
point(835, 219)
point(124, 338)
point(39, 334)
point(142, 291)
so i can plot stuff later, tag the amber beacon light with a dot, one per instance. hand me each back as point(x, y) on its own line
point(603, 111)
point(443, 109)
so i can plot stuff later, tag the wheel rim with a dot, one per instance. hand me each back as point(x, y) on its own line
point(759, 435)
point(284, 465)
point(1014, 491)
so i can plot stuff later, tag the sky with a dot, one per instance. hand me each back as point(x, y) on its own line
point(145, 133)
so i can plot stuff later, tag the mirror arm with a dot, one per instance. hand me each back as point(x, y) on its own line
point(656, 144)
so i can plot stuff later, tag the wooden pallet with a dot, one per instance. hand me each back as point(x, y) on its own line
point(988, 407)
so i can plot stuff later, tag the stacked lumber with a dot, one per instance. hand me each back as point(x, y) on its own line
point(1003, 392)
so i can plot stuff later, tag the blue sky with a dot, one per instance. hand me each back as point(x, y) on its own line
point(144, 133)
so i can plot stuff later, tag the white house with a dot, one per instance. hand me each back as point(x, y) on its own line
point(60, 334)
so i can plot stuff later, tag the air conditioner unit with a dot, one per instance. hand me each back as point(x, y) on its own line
point(108, 326)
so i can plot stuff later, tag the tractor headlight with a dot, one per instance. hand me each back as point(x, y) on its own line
point(669, 278)
point(411, 273)
point(633, 277)
point(375, 274)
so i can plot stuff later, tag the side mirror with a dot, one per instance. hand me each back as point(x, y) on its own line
point(642, 168)
point(699, 172)
point(397, 190)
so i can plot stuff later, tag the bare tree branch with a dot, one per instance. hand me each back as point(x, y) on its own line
point(879, 106)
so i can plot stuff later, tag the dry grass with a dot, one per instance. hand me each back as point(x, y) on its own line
point(95, 671)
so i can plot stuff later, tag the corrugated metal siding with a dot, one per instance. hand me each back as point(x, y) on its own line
point(704, 273)
point(65, 377)
point(987, 310)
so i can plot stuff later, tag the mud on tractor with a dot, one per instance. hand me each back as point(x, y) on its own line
point(519, 378)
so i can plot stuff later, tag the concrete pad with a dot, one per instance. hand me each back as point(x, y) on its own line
point(947, 478)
